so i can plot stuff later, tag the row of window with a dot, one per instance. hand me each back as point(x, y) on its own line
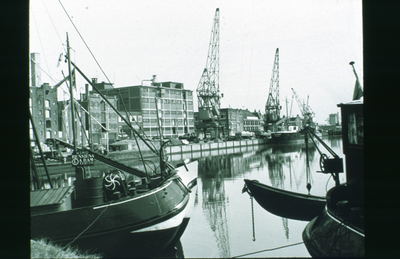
point(153, 92)
point(47, 113)
point(251, 128)
point(48, 133)
point(151, 100)
point(252, 122)
point(46, 103)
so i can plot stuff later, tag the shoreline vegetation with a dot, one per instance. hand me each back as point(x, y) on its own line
point(44, 248)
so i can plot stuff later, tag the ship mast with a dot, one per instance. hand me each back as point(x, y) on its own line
point(72, 97)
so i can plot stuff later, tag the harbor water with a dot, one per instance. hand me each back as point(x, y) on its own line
point(224, 221)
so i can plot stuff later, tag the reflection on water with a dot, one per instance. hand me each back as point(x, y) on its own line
point(220, 183)
point(221, 225)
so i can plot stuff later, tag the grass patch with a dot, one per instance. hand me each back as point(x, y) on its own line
point(44, 248)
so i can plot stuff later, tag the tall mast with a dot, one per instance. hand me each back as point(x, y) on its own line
point(72, 97)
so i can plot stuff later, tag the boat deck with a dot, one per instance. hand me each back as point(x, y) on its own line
point(47, 200)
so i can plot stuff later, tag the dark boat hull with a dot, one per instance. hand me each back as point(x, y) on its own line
point(339, 230)
point(287, 137)
point(286, 204)
point(138, 226)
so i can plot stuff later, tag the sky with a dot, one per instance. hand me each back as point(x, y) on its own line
point(133, 40)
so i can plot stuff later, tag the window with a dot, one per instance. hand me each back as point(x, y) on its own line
point(47, 114)
point(103, 105)
point(30, 102)
point(46, 103)
point(48, 124)
point(355, 128)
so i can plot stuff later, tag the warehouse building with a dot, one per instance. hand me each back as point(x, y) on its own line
point(174, 105)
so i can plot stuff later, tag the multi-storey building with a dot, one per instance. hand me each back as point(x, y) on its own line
point(99, 119)
point(44, 109)
point(174, 105)
point(42, 104)
point(252, 121)
point(334, 119)
point(234, 121)
point(295, 121)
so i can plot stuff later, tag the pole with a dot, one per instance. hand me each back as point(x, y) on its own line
point(40, 150)
point(307, 163)
point(89, 118)
point(72, 97)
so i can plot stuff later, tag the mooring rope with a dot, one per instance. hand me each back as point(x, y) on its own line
point(252, 218)
point(270, 249)
point(88, 226)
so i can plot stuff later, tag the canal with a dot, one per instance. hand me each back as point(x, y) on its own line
point(221, 224)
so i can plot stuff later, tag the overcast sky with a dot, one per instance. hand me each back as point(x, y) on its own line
point(133, 40)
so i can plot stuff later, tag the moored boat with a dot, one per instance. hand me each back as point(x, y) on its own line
point(123, 212)
point(285, 203)
point(290, 136)
point(339, 230)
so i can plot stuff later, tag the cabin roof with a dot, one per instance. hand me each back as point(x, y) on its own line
point(361, 101)
point(50, 196)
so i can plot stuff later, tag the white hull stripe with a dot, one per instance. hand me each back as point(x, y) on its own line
point(170, 223)
point(341, 223)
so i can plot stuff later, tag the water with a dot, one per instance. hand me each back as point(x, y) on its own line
point(221, 223)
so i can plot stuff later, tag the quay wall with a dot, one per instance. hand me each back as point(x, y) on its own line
point(198, 150)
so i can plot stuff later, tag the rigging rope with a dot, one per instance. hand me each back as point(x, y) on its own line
point(41, 45)
point(54, 26)
point(270, 249)
point(128, 113)
point(88, 226)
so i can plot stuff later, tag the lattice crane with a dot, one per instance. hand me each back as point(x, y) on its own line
point(273, 107)
point(305, 109)
point(208, 93)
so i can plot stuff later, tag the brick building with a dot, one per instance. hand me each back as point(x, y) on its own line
point(99, 119)
point(42, 104)
point(44, 109)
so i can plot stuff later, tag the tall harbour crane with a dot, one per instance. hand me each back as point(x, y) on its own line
point(208, 93)
point(272, 107)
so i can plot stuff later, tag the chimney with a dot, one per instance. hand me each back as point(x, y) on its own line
point(35, 69)
point(94, 80)
point(154, 80)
